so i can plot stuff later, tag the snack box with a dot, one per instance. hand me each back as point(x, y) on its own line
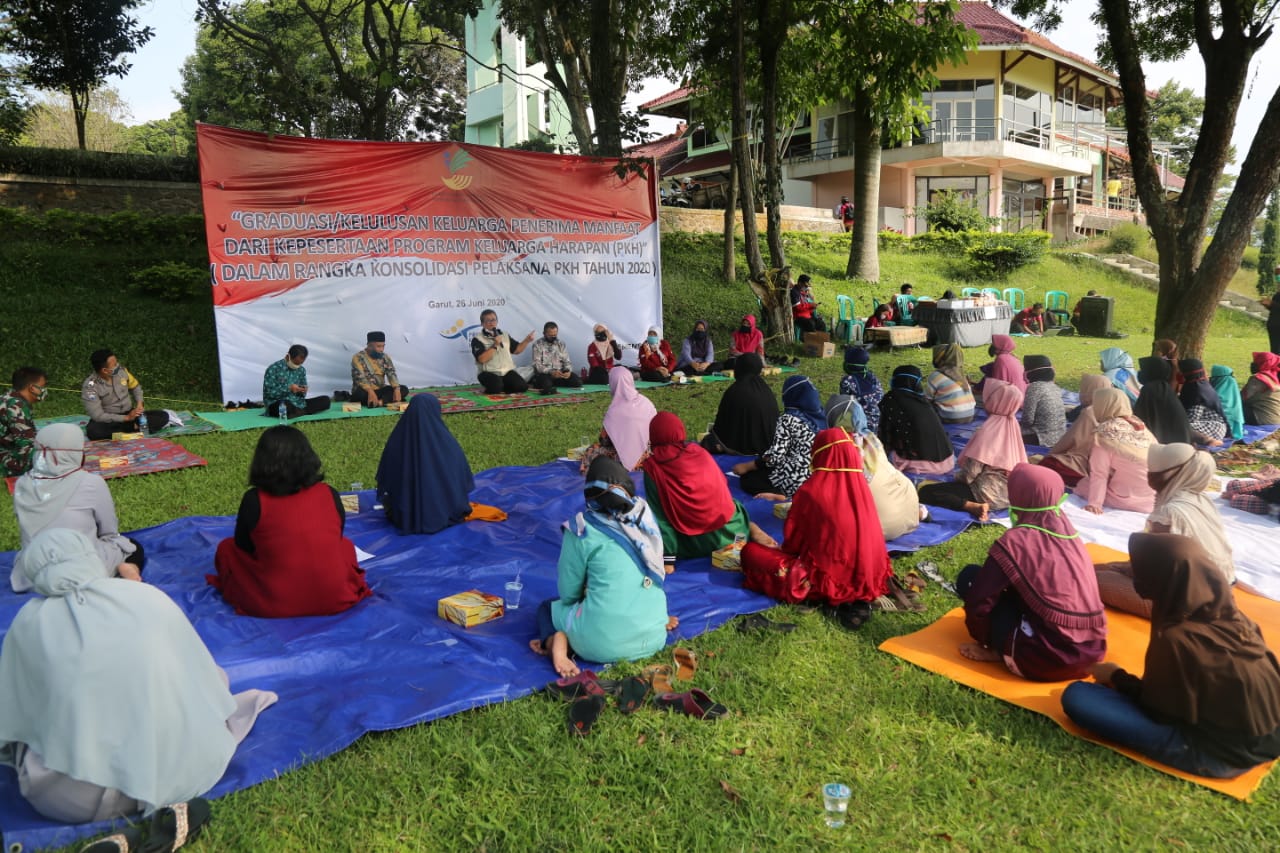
point(782, 510)
point(351, 504)
point(472, 607)
point(771, 371)
point(351, 407)
point(728, 558)
point(126, 436)
point(576, 453)
point(108, 462)
point(398, 407)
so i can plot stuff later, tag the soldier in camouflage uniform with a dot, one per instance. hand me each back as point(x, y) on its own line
point(17, 428)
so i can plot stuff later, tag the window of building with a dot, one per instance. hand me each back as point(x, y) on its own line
point(961, 111)
point(974, 188)
point(1028, 115)
point(533, 114)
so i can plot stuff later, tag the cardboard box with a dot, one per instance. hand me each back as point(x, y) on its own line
point(816, 338)
point(771, 371)
point(351, 407)
point(398, 407)
point(106, 463)
point(728, 558)
point(472, 607)
point(351, 504)
point(126, 436)
point(819, 350)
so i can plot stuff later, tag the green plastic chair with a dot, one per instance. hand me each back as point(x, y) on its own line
point(905, 306)
point(849, 327)
point(1055, 300)
point(970, 292)
point(1016, 298)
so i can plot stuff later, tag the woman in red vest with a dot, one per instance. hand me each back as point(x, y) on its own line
point(288, 556)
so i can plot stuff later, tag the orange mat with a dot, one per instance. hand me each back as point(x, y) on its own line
point(936, 649)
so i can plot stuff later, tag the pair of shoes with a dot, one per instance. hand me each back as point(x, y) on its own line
point(851, 615)
point(758, 622)
point(695, 703)
point(549, 390)
point(585, 683)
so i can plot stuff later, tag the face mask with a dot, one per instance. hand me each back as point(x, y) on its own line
point(377, 355)
point(117, 370)
point(551, 339)
point(41, 392)
point(698, 334)
point(653, 340)
point(991, 351)
point(602, 336)
point(744, 328)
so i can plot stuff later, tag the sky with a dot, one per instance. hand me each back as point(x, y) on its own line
point(149, 88)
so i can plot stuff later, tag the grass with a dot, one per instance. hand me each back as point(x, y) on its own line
point(933, 765)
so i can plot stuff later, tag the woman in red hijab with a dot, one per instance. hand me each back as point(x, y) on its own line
point(746, 339)
point(689, 495)
point(832, 548)
point(1034, 604)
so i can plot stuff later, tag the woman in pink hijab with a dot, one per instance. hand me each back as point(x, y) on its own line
point(626, 422)
point(982, 471)
point(1004, 367)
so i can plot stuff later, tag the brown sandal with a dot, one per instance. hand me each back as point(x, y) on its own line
point(658, 675)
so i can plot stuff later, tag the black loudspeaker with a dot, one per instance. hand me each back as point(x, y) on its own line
point(1095, 316)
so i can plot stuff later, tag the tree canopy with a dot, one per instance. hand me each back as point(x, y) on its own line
point(367, 69)
point(71, 46)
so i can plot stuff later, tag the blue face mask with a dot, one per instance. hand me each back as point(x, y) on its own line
point(653, 340)
point(377, 355)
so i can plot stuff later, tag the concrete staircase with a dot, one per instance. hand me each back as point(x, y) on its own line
point(1148, 274)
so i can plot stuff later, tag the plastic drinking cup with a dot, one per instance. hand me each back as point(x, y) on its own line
point(835, 799)
point(512, 594)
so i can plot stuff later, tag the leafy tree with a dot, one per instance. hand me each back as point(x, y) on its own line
point(371, 69)
point(52, 123)
point(1175, 119)
point(595, 51)
point(881, 55)
point(952, 211)
point(170, 136)
point(1269, 253)
point(71, 46)
point(1227, 34)
point(14, 109)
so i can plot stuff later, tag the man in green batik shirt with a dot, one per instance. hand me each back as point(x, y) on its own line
point(285, 384)
point(17, 428)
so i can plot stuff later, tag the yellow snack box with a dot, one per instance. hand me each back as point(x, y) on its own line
point(398, 407)
point(771, 371)
point(351, 407)
point(107, 462)
point(472, 607)
point(125, 436)
point(576, 453)
point(728, 558)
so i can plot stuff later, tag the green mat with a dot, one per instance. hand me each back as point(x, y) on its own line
point(243, 419)
point(192, 424)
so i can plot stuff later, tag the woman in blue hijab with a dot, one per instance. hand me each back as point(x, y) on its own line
point(783, 467)
point(424, 479)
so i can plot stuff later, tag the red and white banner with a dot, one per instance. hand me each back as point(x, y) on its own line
point(317, 242)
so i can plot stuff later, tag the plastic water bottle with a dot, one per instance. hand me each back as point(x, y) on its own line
point(284, 413)
point(142, 423)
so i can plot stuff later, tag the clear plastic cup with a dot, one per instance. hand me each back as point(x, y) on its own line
point(357, 487)
point(511, 594)
point(835, 799)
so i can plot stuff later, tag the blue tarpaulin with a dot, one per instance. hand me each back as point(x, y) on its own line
point(390, 662)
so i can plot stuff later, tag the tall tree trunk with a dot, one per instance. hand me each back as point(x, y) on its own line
point(864, 247)
point(1190, 286)
point(606, 83)
point(730, 265)
point(769, 45)
point(80, 111)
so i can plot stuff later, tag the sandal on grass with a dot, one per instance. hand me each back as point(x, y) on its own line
point(583, 713)
point(686, 664)
point(851, 615)
point(898, 600)
point(659, 676)
point(585, 683)
point(759, 622)
point(125, 840)
point(632, 694)
point(175, 825)
point(695, 703)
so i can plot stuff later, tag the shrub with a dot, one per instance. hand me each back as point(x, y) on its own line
point(126, 228)
point(951, 211)
point(73, 163)
point(1000, 254)
point(1127, 239)
point(172, 281)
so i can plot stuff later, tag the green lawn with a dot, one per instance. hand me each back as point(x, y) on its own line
point(932, 765)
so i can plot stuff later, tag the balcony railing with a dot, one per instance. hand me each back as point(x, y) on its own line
point(939, 130)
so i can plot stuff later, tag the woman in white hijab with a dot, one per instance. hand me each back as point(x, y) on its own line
point(1180, 474)
point(109, 702)
point(58, 492)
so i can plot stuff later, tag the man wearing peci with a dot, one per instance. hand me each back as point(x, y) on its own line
point(373, 374)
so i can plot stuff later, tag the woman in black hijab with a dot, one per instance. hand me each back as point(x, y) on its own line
point(910, 428)
point(1204, 407)
point(748, 412)
point(1158, 405)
